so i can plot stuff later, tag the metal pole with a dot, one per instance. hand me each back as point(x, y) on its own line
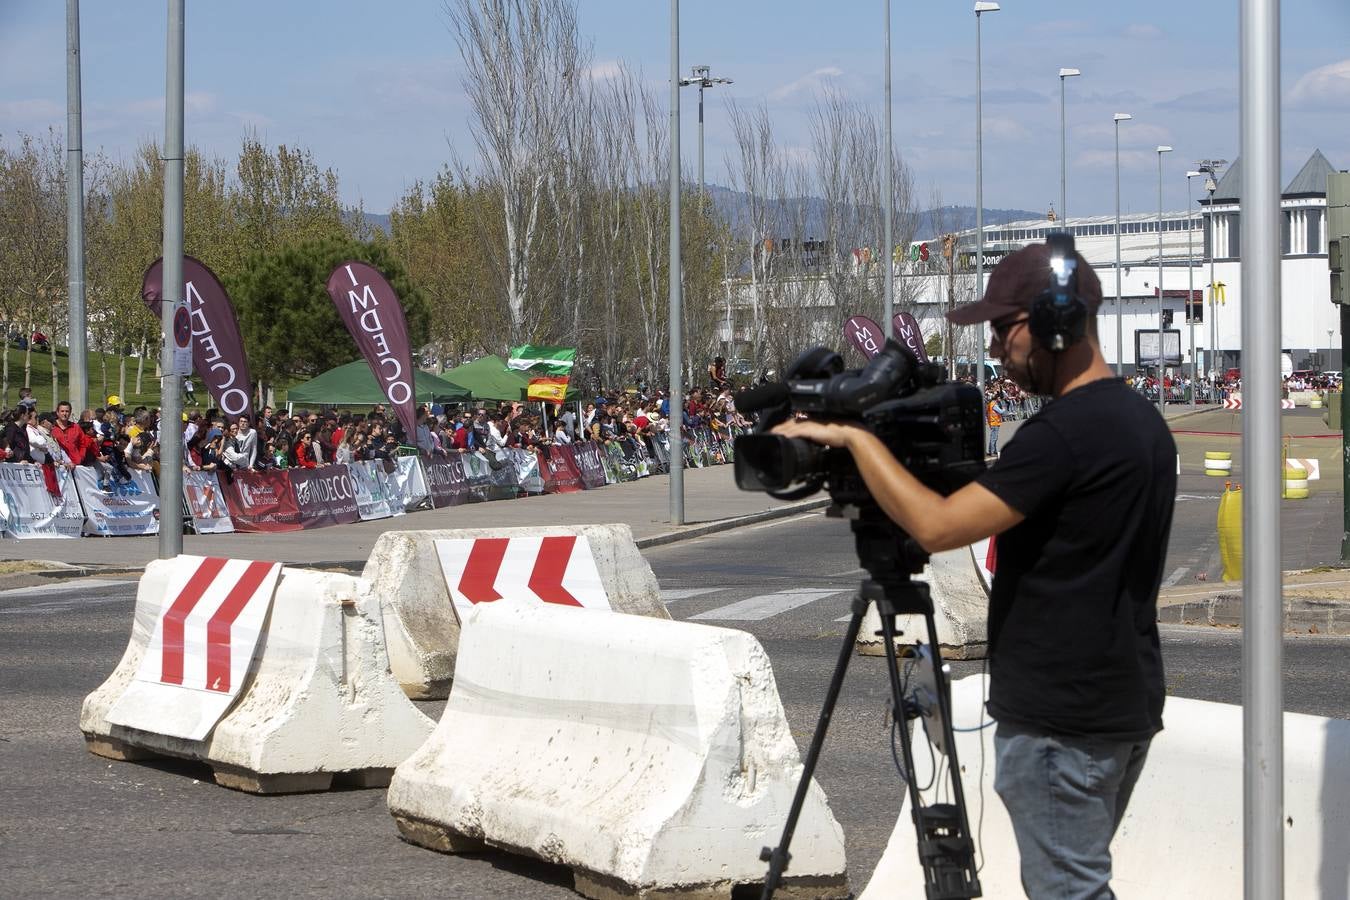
point(1162, 394)
point(701, 189)
point(1190, 282)
point(888, 285)
point(76, 344)
point(1120, 317)
point(1262, 602)
point(979, 198)
point(1063, 159)
point(171, 383)
point(676, 420)
point(1216, 359)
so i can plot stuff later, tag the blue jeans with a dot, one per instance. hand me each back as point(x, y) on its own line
point(1065, 795)
point(993, 440)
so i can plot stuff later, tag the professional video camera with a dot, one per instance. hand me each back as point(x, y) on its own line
point(933, 427)
point(936, 430)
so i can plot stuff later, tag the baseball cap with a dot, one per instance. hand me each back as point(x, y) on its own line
point(1018, 280)
point(114, 400)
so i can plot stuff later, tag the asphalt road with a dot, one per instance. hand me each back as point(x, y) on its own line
point(75, 824)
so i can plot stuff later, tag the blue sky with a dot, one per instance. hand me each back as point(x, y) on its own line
point(373, 88)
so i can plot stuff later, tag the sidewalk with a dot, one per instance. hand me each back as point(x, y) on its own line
point(1316, 601)
point(711, 503)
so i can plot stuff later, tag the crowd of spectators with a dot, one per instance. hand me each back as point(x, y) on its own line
point(116, 442)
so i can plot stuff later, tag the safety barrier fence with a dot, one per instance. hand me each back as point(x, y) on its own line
point(295, 499)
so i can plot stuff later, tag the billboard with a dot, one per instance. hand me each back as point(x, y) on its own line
point(1146, 347)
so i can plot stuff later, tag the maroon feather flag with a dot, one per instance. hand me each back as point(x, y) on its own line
point(906, 330)
point(373, 315)
point(864, 334)
point(217, 349)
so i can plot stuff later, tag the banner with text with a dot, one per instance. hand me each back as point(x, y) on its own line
point(262, 502)
point(325, 496)
point(559, 469)
point(527, 470)
point(370, 309)
point(206, 503)
point(372, 496)
point(131, 507)
point(28, 509)
point(590, 463)
point(217, 349)
point(406, 484)
point(447, 483)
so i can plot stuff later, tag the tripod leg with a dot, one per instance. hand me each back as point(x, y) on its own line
point(778, 857)
point(901, 720)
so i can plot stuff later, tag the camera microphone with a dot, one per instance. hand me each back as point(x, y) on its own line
point(762, 396)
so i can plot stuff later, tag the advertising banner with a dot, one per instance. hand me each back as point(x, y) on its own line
point(262, 501)
point(129, 508)
point(865, 335)
point(589, 464)
point(527, 470)
point(906, 330)
point(372, 498)
point(324, 496)
point(447, 483)
point(477, 475)
point(406, 484)
point(559, 470)
point(206, 503)
point(217, 349)
point(201, 648)
point(370, 309)
point(27, 508)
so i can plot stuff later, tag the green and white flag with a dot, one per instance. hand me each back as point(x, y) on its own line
point(543, 360)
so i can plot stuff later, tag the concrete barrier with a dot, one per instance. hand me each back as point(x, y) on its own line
point(406, 574)
point(317, 702)
point(1182, 834)
point(650, 757)
point(960, 604)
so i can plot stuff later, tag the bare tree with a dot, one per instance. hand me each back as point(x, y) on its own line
point(523, 62)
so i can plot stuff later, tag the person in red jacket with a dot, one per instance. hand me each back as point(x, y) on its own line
point(78, 445)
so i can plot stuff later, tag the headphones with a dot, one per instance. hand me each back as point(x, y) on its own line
point(1058, 316)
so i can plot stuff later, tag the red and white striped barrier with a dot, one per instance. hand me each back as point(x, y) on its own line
point(277, 678)
point(1236, 403)
point(652, 758)
point(1182, 832)
point(426, 581)
point(1312, 466)
point(558, 569)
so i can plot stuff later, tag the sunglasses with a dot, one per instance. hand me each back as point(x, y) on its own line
point(1003, 328)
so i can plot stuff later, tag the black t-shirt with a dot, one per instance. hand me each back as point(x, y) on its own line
point(1073, 635)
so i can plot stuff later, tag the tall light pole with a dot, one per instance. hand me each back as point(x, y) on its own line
point(1190, 276)
point(1064, 147)
point(887, 189)
point(76, 343)
point(981, 7)
point(1262, 603)
point(1211, 168)
point(676, 418)
point(1162, 394)
point(1120, 318)
point(701, 76)
point(173, 306)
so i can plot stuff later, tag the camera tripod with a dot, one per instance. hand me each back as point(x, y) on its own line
point(946, 851)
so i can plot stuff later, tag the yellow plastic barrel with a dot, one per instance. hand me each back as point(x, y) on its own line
point(1295, 483)
point(1218, 463)
point(1230, 532)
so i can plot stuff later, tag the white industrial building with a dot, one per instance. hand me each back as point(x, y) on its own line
point(1310, 323)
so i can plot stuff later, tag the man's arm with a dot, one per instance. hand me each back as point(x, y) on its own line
point(936, 522)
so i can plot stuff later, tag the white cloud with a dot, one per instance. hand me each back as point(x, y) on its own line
point(605, 70)
point(1323, 86)
point(806, 83)
point(1001, 128)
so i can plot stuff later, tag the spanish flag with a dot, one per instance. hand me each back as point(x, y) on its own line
point(550, 388)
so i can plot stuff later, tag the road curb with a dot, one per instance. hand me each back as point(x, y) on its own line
point(706, 528)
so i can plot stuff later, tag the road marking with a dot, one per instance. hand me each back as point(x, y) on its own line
point(754, 609)
point(51, 607)
point(776, 522)
point(66, 587)
point(846, 572)
point(671, 596)
point(1198, 496)
point(1175, 576)
point(1236, 586)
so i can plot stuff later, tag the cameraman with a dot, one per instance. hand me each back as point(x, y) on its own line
point(1082, 501)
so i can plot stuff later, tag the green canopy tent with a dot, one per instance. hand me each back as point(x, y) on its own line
point(489, 379)
point(354, 385)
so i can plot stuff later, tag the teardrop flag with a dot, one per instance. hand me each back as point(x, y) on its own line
point(370, 309)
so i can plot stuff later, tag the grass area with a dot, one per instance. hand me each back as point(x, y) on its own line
point(40, 379)
point(15, 567)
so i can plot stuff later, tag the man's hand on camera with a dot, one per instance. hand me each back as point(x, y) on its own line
point(831, 434)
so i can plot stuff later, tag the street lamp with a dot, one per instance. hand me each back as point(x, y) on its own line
point(675, 299)
point(1063, 146)
point(888, 189)
point(1211, 168)
point(1120, 320)
point(1190, 276)
point(1162, 394)
point(981, 7)
point(701, 76)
